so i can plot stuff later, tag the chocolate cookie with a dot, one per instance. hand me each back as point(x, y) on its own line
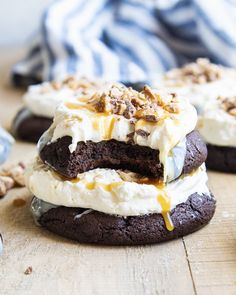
point(29, 127)
point(117, 155)
point(88, 226)
point(23, 81)
point(221, 158)
point(136, 86)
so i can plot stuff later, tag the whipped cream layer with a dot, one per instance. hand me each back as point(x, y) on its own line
point(43, 99)
point(217, 126)
point(79, 121)
point(108, 191)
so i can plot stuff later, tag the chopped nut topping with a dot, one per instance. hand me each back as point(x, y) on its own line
point(129, 176)
point(82, 85)
point(131, 104)
point(233, 112)
point(10, 177)
point(130, 137)
point(126, 175)
point(6, 183)
point(200, 72)
point(28, 271)
point(228, 104)
point(142, 133)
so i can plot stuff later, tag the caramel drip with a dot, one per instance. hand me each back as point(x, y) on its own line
point(75, 180)
point(75, 106)
point(165, 205)
point(142, 123)
point(107, 187)
point(151, 181)
point(108, 128)
point(106, 123)
point(61, 177)
point(90, 185)
point(84, 98)
point(168, 221)
point(96, 124)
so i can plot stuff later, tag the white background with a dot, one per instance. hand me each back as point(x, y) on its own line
point(19, 19)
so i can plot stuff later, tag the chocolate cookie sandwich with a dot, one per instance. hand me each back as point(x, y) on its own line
point(211, 89)
point(41, 102)
point(122, 168)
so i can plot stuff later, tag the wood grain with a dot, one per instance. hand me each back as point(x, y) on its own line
point(201, 263)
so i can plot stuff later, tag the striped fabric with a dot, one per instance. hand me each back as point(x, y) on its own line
point(6, 141)
point(129, 40)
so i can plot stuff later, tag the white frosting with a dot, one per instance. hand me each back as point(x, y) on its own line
point(201, 94)
point(216, 126)
point(105, 191)
point(83, 125)
point(43, 99)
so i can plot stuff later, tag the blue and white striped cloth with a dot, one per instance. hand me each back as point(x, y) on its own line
point(6, 142)
point(129, 40)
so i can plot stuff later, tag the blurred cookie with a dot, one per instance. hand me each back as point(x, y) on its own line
point(211, 89)
point(42, 100)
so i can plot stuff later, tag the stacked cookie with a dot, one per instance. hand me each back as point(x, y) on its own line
point(42, 100)
point(212, 90)
point(122, 167)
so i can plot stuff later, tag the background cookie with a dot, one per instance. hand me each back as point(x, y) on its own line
point(221, 158)
point(29, 127)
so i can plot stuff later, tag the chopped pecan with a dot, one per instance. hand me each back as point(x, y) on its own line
point(6, 183)
point(57, 85)
point(131, 104)
point(130, 137)
point(10, 177)
point(28, 271)
point(199, 72)
point(151, 118)
point(142, 133)
point(233, 112)
point(228, 104)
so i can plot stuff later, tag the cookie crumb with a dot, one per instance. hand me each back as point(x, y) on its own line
point(228, 104)
point(11, 177)
point(28, 271)
point(19, 202)
point(6, 183)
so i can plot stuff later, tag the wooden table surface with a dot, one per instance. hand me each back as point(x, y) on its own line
point(201, 263)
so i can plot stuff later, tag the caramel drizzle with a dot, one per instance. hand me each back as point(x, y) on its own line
point(162, 198)
point(76, 106)
point(103, 121)
point(165, 205)
point(107, 187)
